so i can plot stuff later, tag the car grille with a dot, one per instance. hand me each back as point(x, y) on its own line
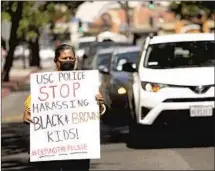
point(144, 112)
point(190, 100)
point(200, 89)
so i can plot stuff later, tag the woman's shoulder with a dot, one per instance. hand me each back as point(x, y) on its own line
point(27, 103)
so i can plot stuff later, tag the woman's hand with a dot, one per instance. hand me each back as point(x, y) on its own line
point(27, 116)
point(100, 101)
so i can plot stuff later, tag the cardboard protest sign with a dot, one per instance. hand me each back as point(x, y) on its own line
point(65, 115)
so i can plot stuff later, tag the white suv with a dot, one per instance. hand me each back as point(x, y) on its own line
point(175, 73)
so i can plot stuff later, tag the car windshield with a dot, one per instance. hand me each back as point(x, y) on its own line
point(180, 55)
point(101, 59)
point(123, 58)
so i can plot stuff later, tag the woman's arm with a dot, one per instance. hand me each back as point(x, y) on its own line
point(27, 112)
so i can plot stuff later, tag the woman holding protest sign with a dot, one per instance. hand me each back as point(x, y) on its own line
point(65, 60)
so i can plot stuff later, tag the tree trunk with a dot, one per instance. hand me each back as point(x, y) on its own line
point(35, 55)
point(13, 41)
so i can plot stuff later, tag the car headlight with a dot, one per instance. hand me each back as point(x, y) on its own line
point(153, 87)
point(122, 90)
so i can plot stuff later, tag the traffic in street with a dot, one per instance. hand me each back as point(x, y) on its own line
point(176, 141)
point(182, 152)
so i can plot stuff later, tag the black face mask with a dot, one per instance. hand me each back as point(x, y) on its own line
point(66, 66)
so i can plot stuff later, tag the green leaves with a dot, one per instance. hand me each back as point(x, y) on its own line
point(192, 8)
point(33, 18)
point(5, 16)
point(37, 14)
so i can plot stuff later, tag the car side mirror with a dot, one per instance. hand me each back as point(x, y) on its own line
point(103, 69)
point(129, 67)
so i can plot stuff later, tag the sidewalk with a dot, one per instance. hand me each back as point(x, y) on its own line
point(17, 77)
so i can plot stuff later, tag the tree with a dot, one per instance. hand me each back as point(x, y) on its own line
point(34, 17)
point(12, 10)
point(42, 13)
point(190, 9)
point(28, 18)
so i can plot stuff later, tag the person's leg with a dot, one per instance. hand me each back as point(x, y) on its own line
point(47, 166)
point(76, 165)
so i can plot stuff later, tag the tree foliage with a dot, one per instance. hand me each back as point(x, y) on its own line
point(12, 10)
point(33, 16)
point(189, 9)
point(36, 14)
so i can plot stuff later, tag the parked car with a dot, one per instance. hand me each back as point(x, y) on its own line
point(45, 53)
point(114, 85)
point(21, 51)
point(173, 84)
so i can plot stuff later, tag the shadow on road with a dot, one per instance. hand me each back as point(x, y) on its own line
point(14, 138)
point(15, 141)
point(178, 137)
point(15, 145)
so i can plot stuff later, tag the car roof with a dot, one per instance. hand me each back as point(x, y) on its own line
point(186, 37)
point(87, 39)
point(127, 49)
point(105, 50)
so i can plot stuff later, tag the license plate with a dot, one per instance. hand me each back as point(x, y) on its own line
point(201, 111)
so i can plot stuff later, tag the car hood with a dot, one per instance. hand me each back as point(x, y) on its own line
point(179, 76)
point(120, 78)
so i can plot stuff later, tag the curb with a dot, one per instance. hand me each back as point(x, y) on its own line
point(7, 91)
point(10, 119)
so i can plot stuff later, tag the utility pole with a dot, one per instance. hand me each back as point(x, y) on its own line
point(126, 8)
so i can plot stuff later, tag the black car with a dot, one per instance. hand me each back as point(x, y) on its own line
point(114, 84)
point(101, 58)
point(95, 46)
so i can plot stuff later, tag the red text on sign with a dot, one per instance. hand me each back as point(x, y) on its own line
point(63, 90)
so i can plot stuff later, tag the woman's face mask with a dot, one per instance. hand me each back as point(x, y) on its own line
point(66, 65)
point(66, 61)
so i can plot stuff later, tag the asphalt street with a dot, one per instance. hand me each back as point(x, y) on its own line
point(178, 154)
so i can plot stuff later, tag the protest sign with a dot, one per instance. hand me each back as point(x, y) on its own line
point(65, 115)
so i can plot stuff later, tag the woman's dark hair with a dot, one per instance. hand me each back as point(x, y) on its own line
point(61, 48)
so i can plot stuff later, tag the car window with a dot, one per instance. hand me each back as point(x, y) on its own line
point(180, 54)
point(101, 59)
point(123, 58)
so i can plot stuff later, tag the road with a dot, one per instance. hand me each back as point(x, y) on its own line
point(115, 155)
